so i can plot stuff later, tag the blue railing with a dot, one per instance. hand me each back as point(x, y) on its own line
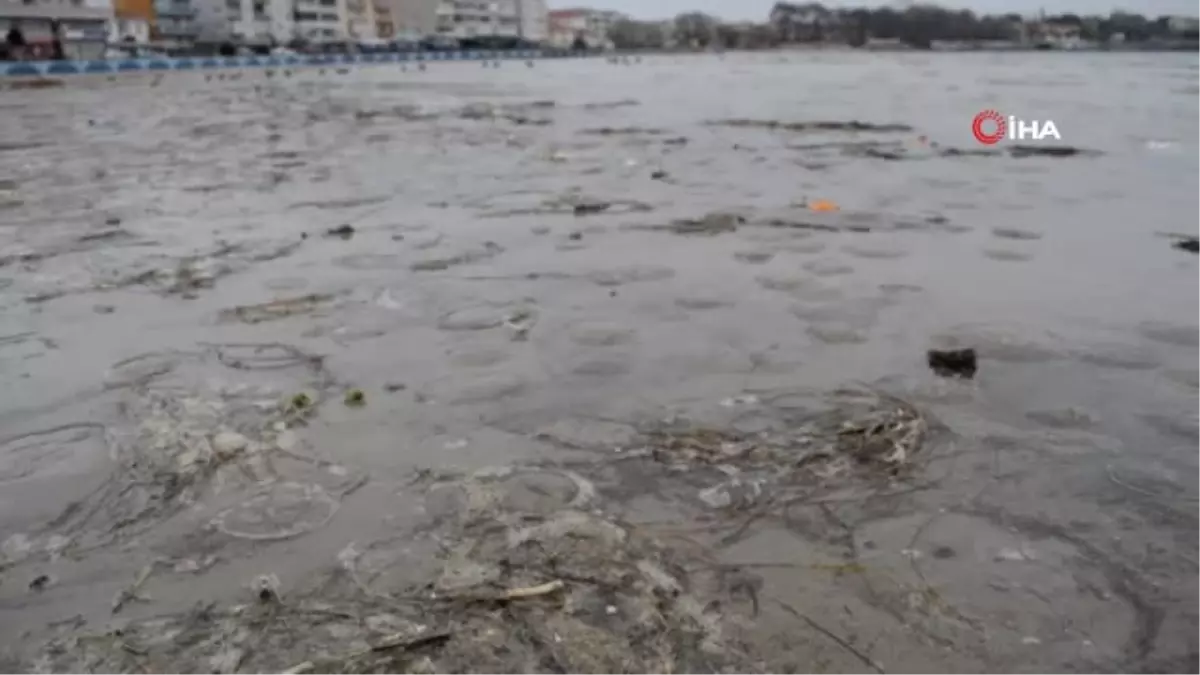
point(59, 68)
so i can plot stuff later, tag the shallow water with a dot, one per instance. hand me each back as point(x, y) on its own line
point(481, 311)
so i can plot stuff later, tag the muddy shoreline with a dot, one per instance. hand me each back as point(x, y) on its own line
point(381, 371)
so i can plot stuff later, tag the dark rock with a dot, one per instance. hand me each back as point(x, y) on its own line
point(713, 223)
point(575, 236)
point(823, 125)
point(39, 583)
point(1048, 151)
point(658, 175)
point(586, 208)
point(343, 231)
point(953, 362)
point(1190, 244)
point(944, 553)
point(393, 387)
point(112, 221)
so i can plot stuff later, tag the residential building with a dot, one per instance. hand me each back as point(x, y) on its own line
point(535, 20)
point(214, 21)
point(173, 21)
point(1181, 25)
point(385, 26)
point(472, 18)
point(83, 28)
point(412, 19)
point(132, 21)
point(360, 21)
point(319, 20)
point(590, 25)
point(469, 18)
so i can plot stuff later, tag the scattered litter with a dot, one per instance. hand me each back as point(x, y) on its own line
point(823, 206)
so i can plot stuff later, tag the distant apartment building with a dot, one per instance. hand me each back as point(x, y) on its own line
point(413, 18)
point(318, 21)
point(360, 20)
point(590, 25)
point(385, 26)
point(1183, 25)
point(173, 21)
point(469, 18)
point(280, 22)
point(132, 21)
point(82, 26)
point(535, 19)
point(474, 18)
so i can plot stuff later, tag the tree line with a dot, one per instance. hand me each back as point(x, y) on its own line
point(917, 26)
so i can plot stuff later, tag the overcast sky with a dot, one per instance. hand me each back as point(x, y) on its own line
point(758, 9)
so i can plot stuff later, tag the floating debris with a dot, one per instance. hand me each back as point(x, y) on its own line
point(342, 231)
point(587, 208)
point(953, 362)
point(623, 131)
point(710, 224)
point(1189, 245)
point(850, 125)
point(276, 309)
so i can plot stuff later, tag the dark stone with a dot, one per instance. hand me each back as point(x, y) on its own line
point(658, 175)
point(1190, 244)
point(591, 207)
point(953, 362)
point(575, 236)
point(39, 583)
point(944, 553)
point(343, 231)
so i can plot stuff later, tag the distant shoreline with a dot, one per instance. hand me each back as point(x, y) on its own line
point(20, 73)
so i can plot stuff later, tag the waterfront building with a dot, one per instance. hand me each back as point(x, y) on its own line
point(360, 22)
point(83, 26)
point(173, 22)
point(524, 19)
point(590, 25)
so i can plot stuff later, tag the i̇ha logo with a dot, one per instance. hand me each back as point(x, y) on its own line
point(990, 127)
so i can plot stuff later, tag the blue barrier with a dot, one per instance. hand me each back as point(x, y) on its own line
point(43, 68)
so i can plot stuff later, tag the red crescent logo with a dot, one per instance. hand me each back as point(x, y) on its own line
point(985, 137)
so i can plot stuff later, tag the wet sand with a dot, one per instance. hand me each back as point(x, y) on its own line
point(544, 267)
